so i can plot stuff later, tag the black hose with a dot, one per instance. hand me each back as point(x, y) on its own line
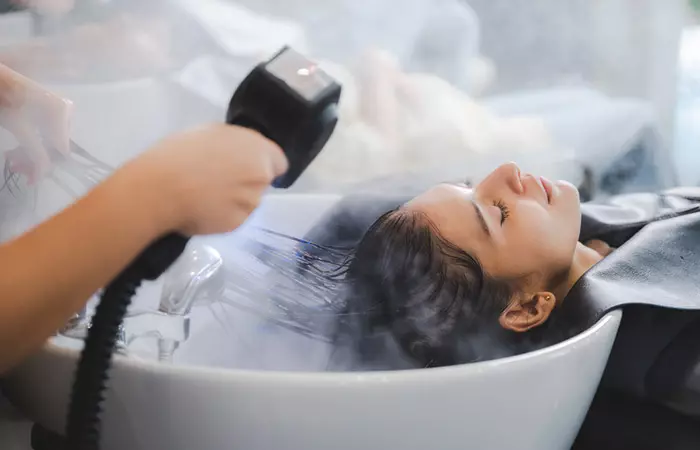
point(82, 428)
point(92, 373)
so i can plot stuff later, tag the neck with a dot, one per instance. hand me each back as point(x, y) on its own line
point(584, 259)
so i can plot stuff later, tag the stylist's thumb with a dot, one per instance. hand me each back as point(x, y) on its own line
point(280, 164)
point(267, 157)
point(278, 159)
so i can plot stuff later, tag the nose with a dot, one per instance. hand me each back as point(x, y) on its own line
point(505, 180)
point(510, 175)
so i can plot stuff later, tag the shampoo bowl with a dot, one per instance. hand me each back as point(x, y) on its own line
point(535, 401)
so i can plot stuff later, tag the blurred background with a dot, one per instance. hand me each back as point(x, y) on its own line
point(603, 93)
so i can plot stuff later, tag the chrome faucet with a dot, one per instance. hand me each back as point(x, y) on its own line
point(196, 274)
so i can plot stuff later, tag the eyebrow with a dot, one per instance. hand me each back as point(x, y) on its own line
point(480, 217)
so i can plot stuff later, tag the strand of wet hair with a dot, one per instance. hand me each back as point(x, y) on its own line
point(10, 177)
point(304, 258)
point(299, 291)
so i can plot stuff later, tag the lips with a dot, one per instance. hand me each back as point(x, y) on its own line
point(548, 188)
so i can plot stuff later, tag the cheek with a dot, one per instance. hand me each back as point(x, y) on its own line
point(530, 223)
point(557, 224)
point(526, 248)
point(548, 237)
point(535, 240)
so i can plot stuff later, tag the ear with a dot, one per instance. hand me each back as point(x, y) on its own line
point(523, 315)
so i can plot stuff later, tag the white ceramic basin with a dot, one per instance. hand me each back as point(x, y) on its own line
point(535, 401)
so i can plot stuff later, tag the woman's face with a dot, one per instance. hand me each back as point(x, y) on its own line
point(518, 226)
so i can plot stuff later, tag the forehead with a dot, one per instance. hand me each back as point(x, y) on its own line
point(439, 195)
point(449, 208)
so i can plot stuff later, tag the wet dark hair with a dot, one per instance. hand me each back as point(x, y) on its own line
point(399, 295)
point(434, 300)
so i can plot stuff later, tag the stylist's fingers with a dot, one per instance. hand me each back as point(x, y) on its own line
point(250, 140)
point(32, 160)
point(54, 118)
point(11, 89)
point(37, 118)
point(212, 176)
point(48, 113)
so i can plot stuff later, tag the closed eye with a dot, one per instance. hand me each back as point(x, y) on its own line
point(505, 213)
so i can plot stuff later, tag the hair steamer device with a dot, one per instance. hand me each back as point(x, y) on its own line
point(289, 100)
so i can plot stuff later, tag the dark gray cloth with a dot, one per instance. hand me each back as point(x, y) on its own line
point(654, 276)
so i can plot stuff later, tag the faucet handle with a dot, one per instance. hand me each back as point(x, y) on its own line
point(77, 326)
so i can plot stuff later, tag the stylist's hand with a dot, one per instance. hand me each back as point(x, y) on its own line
point(38, 119)
point(210, 179)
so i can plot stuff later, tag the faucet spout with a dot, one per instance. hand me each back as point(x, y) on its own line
point(194, 272)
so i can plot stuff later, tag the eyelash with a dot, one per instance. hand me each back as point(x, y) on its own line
point(505, 213)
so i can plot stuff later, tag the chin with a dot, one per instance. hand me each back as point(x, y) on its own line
point(569, 192)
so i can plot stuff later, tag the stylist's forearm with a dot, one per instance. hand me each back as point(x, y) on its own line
point(115, 221)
